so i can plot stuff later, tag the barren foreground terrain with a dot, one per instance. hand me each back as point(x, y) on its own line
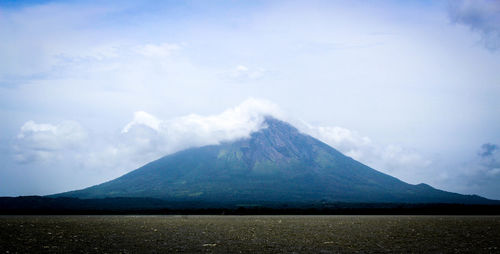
point(249, 234)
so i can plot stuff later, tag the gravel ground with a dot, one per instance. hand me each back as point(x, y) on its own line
point(249, 234)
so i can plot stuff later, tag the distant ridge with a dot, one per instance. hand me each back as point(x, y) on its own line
point(277, 164)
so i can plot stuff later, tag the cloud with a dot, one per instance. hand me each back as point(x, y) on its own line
point(389, 158)
point(244, 73)
point(196, 130)
point(482, 16)
point(44, 142)
point(143, 118)
point(347, 141)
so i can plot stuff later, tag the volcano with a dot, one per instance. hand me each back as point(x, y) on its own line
point(276, 164)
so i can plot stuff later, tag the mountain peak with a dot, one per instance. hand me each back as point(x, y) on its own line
point(275, 125)
point(277, 142)
point(273, 122)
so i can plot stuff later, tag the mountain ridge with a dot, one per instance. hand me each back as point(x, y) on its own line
point(275, 164)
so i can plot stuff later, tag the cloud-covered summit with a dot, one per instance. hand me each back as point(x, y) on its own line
point(197, 130)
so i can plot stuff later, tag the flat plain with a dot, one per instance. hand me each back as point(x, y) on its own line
point(249, 234)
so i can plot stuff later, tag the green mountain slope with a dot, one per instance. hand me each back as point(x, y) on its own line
point(276, 164)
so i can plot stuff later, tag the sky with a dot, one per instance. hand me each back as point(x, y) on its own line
point(90, 90)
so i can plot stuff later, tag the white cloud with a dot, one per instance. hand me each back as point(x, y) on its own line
point(47, 141)
point(244, 73)
point(143, 118)
point(390, 158)
point(345, 140)
point(167, 136)
point(32, 127)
